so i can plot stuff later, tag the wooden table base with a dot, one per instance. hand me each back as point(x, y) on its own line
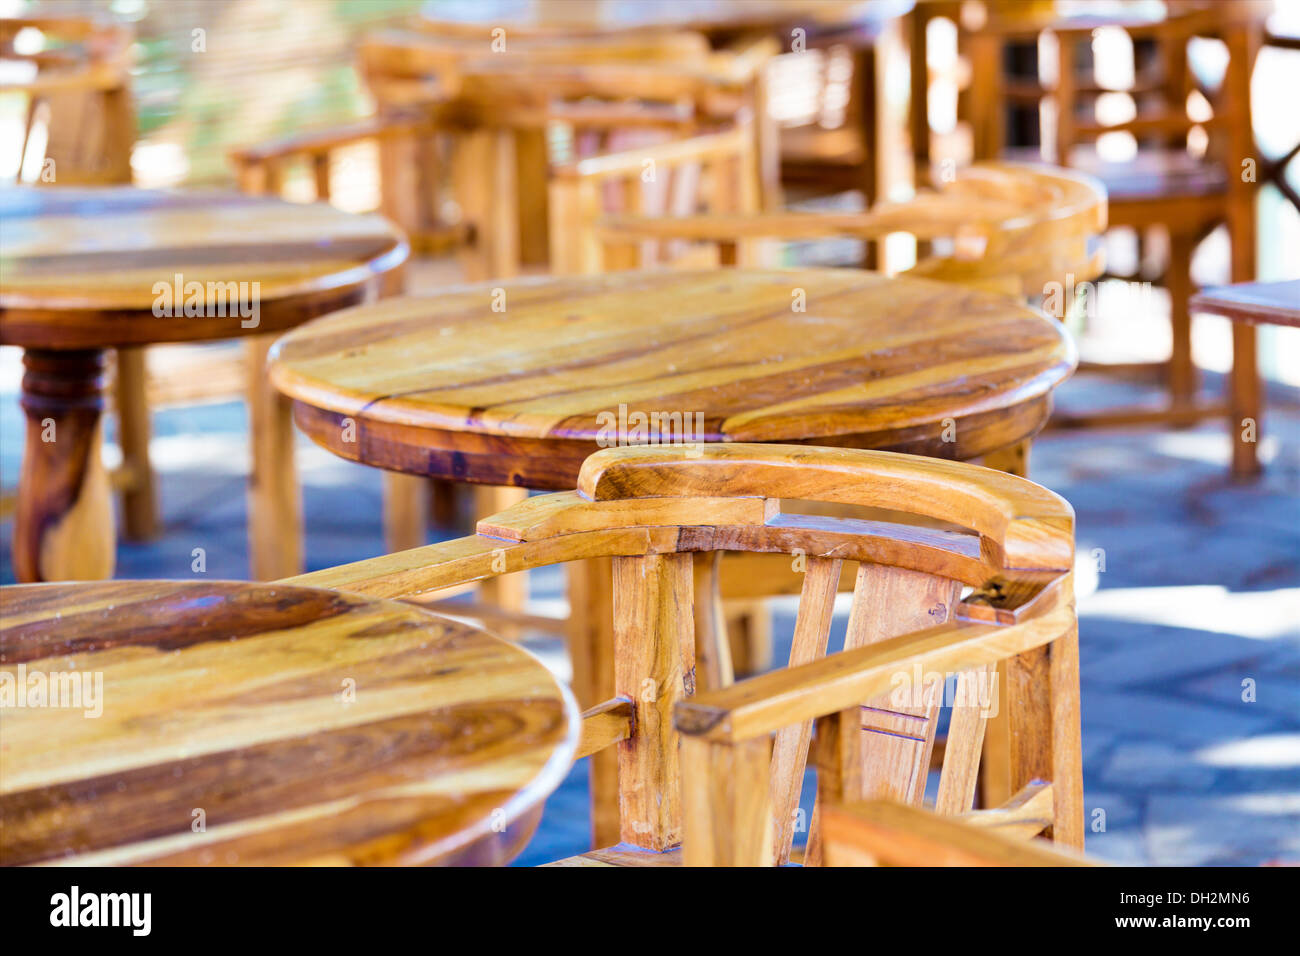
point(64, 528)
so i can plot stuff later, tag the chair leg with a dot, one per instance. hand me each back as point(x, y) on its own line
point(1182, 369)
point(1245, 405)
point(406, 511)
point(139, 499)
point(274, 502)
point(995, 786)
point(749, 636)
point(591, 651)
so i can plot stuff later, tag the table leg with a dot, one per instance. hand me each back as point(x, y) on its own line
point(1245, 407)
point(64, 527)
point(139, 501)
point(274, 501)
point(507, 591)
point(406, 511)
point(995, 761)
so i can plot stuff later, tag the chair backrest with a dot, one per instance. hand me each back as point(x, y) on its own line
point(714, 174)
point(719, 772)
point(1163, 77)
point(80, 122)
point(1009, 227)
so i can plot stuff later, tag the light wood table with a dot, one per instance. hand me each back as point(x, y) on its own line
point(517, 383)
point(1249, 304)
point(86, 270)
point(239, 724)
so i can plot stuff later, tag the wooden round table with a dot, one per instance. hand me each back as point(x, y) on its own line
point(221, 723)
point(517, 383)
point(87, 270)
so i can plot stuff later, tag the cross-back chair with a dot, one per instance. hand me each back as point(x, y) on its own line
point(718, 773)
point(1186, 175)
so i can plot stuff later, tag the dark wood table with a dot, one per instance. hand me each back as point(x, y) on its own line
point(86, 270)
point(1249, 304)
point(244, 724)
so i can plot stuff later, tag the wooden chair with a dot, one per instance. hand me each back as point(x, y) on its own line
point(1185, 187)
point(885, 833)
point(719, 772)
point(715, 174)
point(1006, 227)
point(78, 131)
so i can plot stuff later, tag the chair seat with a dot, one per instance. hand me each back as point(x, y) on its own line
point(1153, 174)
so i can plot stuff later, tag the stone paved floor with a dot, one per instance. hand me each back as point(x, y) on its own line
point(1189, 596)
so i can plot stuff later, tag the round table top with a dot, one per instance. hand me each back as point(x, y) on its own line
point(575, 17)
point(220, 723)
point(518, 382)
point(102, 267)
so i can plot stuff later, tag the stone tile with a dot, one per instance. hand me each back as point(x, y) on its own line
point(1150, 653)
point(1276, 690)
point(1147, 766)
point(1240, 830)
point(1152, 716)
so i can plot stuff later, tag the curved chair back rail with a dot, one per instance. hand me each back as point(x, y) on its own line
point(1014, 226)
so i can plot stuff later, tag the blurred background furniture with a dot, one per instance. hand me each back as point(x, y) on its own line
point(1171, 143)
point(366, 732)
point(1249, 304)
point(92, 269)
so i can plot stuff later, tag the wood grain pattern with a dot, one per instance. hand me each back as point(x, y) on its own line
point(308, 726)
point(81, 265)
point(897, 835)
point(448, 387)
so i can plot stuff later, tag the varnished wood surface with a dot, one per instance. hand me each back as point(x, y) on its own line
point(80, 265)
point(229, 698)
point(446, 386)
point(1260, 303)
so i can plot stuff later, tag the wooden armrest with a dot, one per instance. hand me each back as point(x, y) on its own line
point(325, 139)
point(765, 704)
point(897, 835)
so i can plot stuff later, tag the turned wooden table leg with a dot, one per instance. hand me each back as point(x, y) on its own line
point(1244, 405)
point(64, 527)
